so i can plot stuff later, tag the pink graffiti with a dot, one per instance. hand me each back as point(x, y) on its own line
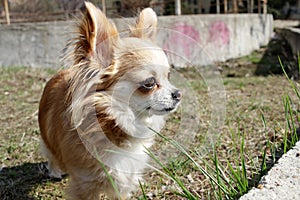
point(218, 31)
point(184, 37)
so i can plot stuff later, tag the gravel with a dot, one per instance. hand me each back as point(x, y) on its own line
point(282, 181)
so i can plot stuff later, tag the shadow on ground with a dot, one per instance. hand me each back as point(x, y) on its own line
point(17, 182)
point(269, 63)
point(264, 61)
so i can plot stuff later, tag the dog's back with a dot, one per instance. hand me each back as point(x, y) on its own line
point(62, 146)
point(52, 122)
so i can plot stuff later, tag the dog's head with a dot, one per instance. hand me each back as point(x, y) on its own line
point(134, 70)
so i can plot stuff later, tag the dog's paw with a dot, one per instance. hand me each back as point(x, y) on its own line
point(51, 172)
point(56, 174)
point(43, 169)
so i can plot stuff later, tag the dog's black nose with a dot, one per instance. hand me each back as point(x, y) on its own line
point(176, 95)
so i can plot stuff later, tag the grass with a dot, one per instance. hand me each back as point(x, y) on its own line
point(232, 180)
point(291, 113)
point(261, 122)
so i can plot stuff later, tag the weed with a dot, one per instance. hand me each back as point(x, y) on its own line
point(233, 182)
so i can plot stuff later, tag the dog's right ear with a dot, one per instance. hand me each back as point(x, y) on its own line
point(97, 36)
point(146, 25)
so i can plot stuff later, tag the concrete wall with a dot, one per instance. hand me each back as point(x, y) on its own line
point(191, 39)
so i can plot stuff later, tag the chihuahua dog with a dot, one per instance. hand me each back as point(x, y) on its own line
point(98, 115)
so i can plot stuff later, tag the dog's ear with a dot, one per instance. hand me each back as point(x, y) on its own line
point(97, 36)
point(146, 25)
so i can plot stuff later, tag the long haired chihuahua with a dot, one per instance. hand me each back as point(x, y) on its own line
point(96, 116)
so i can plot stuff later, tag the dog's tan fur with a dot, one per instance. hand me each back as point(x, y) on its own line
point(100, 60)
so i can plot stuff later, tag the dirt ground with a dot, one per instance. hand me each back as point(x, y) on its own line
point(249, 96)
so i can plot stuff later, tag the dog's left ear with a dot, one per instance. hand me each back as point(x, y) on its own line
point(146, 25)
point(97, 36)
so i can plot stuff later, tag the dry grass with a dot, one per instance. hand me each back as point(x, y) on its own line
point(21, 172)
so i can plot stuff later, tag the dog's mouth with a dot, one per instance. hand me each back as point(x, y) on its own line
point(169, 109)
point(163, 111)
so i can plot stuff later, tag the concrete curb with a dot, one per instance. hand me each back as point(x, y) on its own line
point(282, 181)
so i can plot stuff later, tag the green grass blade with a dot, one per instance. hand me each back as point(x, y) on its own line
point(173, 176)
point(110, 179)
point(264, 122)
point(290, 81)
point(263, 166)
point(237, 175)
point(218, 174)
point(244, 171)
point(185, 153)
point(143, 191)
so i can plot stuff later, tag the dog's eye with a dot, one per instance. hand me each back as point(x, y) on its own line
point(148, 84)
